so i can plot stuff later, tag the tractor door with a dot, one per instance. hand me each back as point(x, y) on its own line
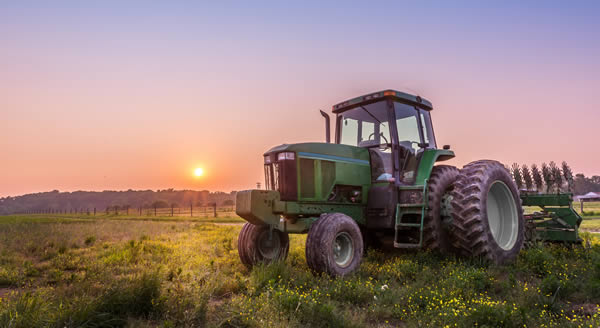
point(411, 135)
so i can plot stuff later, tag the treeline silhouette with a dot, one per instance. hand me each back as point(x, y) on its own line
point(101, 200)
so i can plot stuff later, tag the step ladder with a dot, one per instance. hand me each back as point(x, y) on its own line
point(416, 208)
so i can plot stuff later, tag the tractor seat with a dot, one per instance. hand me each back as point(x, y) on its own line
point(407, 145)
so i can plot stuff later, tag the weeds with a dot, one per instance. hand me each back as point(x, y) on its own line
point(186, 274)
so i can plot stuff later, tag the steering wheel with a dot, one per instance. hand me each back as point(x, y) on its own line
point(381, 135)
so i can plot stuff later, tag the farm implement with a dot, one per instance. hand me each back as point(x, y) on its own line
point(380, 182)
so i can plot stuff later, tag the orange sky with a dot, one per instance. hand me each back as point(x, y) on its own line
point(142, 101)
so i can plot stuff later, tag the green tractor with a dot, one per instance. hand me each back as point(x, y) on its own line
point(379, 183)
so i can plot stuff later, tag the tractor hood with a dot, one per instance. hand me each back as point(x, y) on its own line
point(324, 151)
point(321, 172)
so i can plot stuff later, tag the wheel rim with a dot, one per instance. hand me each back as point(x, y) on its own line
point(502, 215)
point(343, 249)
point(269, 249)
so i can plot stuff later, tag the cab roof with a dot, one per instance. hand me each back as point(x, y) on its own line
point(380, 95)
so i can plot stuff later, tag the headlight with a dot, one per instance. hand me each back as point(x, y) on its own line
point(268, 159)
point(285, 156)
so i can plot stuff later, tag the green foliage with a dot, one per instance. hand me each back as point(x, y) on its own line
point(147, 274)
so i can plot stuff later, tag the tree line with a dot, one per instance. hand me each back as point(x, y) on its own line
point(101, 200)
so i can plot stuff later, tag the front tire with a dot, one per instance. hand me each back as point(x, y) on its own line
point(334, 245)
point(487, 213)
point(255, 247)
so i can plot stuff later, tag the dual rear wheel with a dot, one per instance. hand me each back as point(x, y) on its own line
point(475, 212)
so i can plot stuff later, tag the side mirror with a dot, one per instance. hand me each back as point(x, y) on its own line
point(327, 128)
point(446, 147)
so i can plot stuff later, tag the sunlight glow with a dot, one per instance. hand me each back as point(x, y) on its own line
point(198, 172)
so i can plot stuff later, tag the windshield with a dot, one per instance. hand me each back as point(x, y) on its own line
point(365, 126)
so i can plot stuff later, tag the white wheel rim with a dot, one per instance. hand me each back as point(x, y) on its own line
point(269, 249)
point(502, 215)
point(343, 249)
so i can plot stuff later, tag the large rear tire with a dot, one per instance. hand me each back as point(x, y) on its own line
point(440, 185)
point(334, 245)
point(487, 214)
point(255, 247)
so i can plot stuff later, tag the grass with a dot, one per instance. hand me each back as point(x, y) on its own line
point(590, 224)
point(590, 209)
point(138, 272)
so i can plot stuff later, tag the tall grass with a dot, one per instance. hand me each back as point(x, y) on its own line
point(114, 273)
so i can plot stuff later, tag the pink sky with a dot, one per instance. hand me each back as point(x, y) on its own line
point(93, 100)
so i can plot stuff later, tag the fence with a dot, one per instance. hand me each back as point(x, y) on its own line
point(190, 211)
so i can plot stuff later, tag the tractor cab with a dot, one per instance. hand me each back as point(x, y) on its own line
point(394, 126)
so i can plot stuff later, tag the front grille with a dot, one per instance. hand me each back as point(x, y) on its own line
point(281, 176)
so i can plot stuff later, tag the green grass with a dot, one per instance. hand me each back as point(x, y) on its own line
point(590, 224)
point(590, 210)
point(162, 272)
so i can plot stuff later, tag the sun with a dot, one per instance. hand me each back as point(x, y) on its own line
point(198, 172)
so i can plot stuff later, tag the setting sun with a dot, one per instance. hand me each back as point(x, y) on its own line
point(198, 172)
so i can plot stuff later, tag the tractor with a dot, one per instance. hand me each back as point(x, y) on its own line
point(381, 182)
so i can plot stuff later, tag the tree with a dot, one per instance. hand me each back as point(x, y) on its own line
point(516, 171)
point(160, 204)
point(548, 177)
point(556, 176)
point(527, 177)
point(568, 174)
point(228, 202)
point(537, 178)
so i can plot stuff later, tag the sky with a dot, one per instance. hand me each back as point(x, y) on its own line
point(113, 96)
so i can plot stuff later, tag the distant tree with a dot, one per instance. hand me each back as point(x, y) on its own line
point(228, 202)
point(556, 176)
point(548, 177)
point(527, 177)
point(537, 178)
point(160, 204)
point(568, 174)
point(516, 171)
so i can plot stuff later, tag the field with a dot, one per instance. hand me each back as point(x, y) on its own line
point(73, 271)
point(590, 209)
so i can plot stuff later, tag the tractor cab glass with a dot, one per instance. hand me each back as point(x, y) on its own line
point(372, 126)
point(365, 126)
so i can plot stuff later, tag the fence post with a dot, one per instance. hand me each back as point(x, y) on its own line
point(191, 210)
point(171, 209)
point(215, 208)
point(154, 210)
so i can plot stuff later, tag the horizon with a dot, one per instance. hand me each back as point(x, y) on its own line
point(108, 96)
